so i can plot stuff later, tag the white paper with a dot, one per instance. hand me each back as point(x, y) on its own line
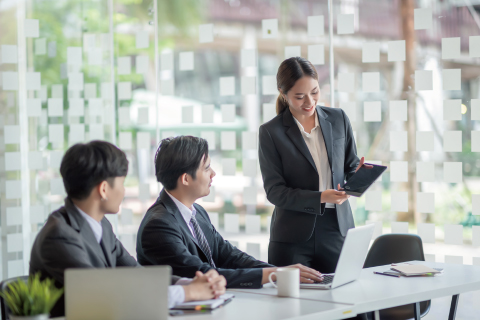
point(231, 222)
point(426, 231)
point(398, 110)
point(426, 202)
point(167, 87)
point(56, 187)
point(142, 40)
point(57, 91)
point(452, 79)
point(269, 112)
point(31, 28)
point(227, 86)
point(452, 141)
point(248, 58)
point(143, 140)
point(316, 54)
point(95, 107)
point(424, 141)
point(422, 18)
point(76, 107)
point(372, 111)
point(396, 50)
point(33, 80)
point(399, 227)
point(141, 64)
point(76, 133)
point(249, 85)
point(269, 85)
point(371, 81)
point(56, 159)
point(249, 140)
point(75, 81)
point(74, 56)
point(90, 90)
point(35, 160)
point(371, 52)
point(453, 259)
point(399, 171)
point(210, 137)
point(124, 65)
point(373, 200)
point(124, 91)
point(345, 24)
point(269, 28)
point(186, 61)
point(125, 140)
point(207, 113)
point(250, 195)
point(55, 107)
point(13, 189)
point(346, 82)
point(228, 140)
point(229, 166)
point(423, 80)
point(40, 46)
point(425, 171)
point(205, 33)
point(12, 161)
point(454, 234)
point(9, 53)
point(52, 49)
point(34, 107)
point(9, 80)
point(452, 172)
point(228, 112)
point(452, 109)
point(474, 46)
point(293, 51)
point(12, 134)
point(249, 168)
point(399, 201)
point(96, 132)
point(55, 133)
point(143, 115)
point(451, 48)
point(37, 214)
point(475, 140)
point(315, 26)
point(398, 141)
point(166, 60)
point(187, 114)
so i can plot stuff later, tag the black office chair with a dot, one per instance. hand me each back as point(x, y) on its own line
point(3, 287)
point(393, 248)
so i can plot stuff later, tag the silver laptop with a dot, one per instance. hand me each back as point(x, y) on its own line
point(352, 258)
point(117, 294)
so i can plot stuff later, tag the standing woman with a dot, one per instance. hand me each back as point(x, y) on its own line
point(304, 151)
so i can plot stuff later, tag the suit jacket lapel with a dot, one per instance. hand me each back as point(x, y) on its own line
point(106, 241)
point(326, 128)
point(78, 223)
point(293, 132)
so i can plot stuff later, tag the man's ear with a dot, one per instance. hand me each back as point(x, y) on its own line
point(184, 178)
point(102, 189)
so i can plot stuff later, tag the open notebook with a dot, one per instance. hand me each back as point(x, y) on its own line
point(205, 304)
point(412, 270)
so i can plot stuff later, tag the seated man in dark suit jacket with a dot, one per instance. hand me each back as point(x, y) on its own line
point(79, 236)
point(178, 232)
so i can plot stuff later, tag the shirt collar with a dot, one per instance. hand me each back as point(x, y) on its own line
point(186, 212)
point(94, 224)
point(302, 129)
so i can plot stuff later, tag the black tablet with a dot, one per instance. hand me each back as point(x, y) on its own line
point(363, 179)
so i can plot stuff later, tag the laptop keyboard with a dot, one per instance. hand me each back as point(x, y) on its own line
point(327, 279)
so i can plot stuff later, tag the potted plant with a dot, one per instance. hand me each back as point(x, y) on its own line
point(32, 300)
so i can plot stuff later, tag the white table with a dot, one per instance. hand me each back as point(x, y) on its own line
point(373, 292)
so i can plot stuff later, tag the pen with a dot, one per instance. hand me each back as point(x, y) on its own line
point(386, 274)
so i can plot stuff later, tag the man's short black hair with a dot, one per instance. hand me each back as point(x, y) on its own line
point(179, 155)
point(85, 165)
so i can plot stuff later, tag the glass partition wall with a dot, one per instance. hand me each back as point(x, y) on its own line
point(133, 72)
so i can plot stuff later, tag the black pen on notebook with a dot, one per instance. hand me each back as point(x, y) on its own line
point(386, 274)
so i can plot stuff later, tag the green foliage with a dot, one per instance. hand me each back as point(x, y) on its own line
point(32, 298)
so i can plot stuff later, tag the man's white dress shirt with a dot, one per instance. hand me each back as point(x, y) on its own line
point(176, 294)
point(316, 146)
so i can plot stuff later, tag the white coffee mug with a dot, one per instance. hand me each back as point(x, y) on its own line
point(288, 282)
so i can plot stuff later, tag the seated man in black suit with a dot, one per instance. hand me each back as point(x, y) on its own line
point(79, 236)
point(176, 231)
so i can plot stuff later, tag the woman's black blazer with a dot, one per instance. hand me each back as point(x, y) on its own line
point(290, 177)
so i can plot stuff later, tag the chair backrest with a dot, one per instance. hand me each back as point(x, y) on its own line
point(393, 248)
point(3, 287)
